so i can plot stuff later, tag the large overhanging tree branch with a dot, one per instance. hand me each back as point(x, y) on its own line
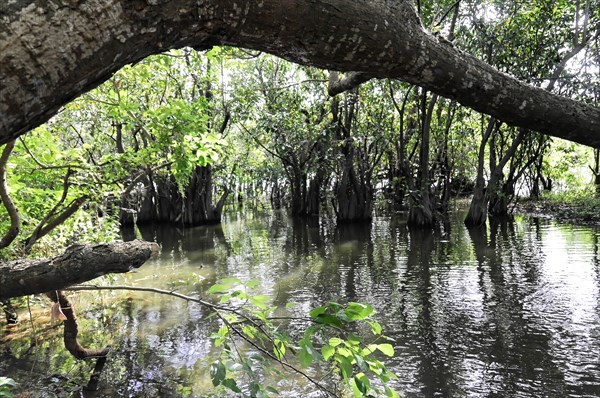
point(51, 52)
point(79, 263)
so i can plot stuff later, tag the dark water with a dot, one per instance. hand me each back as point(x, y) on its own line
point(510, 310)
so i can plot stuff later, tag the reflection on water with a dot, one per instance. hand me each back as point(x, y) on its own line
point(511, 310)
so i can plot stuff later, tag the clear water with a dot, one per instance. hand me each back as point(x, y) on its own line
point(510, 310)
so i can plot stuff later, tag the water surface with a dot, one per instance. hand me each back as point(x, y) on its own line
point(511, 310)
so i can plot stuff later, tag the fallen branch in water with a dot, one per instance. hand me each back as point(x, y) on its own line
point(79, 263)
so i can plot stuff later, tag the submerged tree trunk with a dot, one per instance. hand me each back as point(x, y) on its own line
point(79, 263)
point(313, 196)
point(354, 198)
point(383, 38)
point(483, 196)
point(399, 173)
point(354, 191)
point(421, 209)
point(477, 214)
point(162, 202)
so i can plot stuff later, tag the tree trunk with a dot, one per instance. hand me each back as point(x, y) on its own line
point(354, 193)
point(383, 38)
point(354, 198)
point(313, 197)
point(499, 192)
point(596, 171)
point(297, 180)
point(477, 214)
point(7, 202)
point(79, 263)
point(421, 210)
point(162, 202)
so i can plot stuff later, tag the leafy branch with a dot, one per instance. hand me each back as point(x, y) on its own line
point(327, 340)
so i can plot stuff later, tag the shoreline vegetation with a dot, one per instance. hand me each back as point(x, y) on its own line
point(577, 206)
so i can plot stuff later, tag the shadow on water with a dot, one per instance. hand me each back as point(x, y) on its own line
point(507, 310)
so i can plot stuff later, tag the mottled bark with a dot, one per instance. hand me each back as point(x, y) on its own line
point(51, 52)
point(79, 263)
point(338, 85)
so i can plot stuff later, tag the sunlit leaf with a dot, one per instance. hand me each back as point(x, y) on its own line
point(358, 311)
point(390, 393)
point(318, 311)
point(375, 327)
point(259, 301)
point(219, 288)
point(386, 349)
point(327, 351)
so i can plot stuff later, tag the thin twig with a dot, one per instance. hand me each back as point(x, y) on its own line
point(35, 359)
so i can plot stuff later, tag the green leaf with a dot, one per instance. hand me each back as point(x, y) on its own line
point(356, 389)
point(386, 349)
point(279, 350)
point(361, 362)
point(345, 352)
point(335, 341)
point(221, 336)
point(217, 373)
point(345, 367)
point(364, 381)
point(253, 283)
point(259, 301)
point(318, 311)
point(360, 385)
point(353, 340)
point(232, 385)
point(327, 351)
point(390, 393)
point(358, 311)
point(219, 288)
point(368, 350)
point(331, 320)
point(305, 358)
point(375, 327)
point(307, 353)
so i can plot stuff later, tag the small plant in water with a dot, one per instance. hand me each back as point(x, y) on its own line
point(254, 344)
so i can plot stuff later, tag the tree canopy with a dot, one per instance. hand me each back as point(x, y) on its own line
point(380, 38)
